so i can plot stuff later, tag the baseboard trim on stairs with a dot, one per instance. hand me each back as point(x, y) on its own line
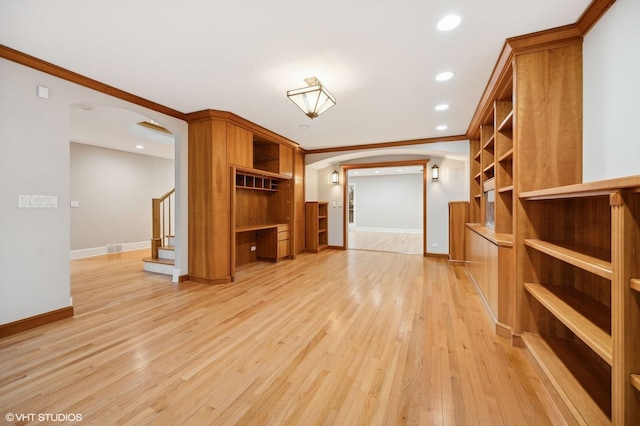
point(25, 324)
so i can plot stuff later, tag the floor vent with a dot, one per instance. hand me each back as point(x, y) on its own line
point(114, 248)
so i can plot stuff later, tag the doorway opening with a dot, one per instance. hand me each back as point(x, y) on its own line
point(386, 206)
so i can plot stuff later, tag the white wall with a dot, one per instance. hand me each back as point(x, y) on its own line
point(611, 55)
point(114, 191)
point(388, 201)
point(34, 160)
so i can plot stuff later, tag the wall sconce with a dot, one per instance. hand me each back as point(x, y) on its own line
point(435, 173)
point(335, 177)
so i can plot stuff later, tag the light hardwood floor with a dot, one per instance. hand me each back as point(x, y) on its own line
point(337, 338)
point(386, 241)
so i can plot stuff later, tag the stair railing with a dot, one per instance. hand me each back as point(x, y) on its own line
point(162, 211)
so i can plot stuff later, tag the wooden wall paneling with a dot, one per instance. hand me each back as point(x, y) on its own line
point(298, 242)
point(240, 146)
point(506, 290)
point(286, 160)
point(209, 198)
point(279, 203)
point(244, 242)
point(548, 109)
point(458, 217)
point(252, 207)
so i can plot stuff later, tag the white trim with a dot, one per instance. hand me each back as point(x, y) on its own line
point(98, 251)
point(390, 230)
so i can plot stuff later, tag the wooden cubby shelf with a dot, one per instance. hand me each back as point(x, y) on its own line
point(507, 156)
point(635, 381)
point(586, 258)
point(506, 189)
point(586, 397)
point(635, 284)
point(571, 308)
point(489, 143)
point(257, 180)
point(507, 123)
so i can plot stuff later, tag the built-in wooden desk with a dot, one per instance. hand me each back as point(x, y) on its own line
point(271, 242)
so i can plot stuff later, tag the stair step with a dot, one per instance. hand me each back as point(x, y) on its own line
point(161, 266)
point(166, 252)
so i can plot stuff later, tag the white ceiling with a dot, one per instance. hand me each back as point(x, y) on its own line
point(379, 58)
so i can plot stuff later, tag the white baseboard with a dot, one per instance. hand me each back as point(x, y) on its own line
point(390, 230)
point(98, 251)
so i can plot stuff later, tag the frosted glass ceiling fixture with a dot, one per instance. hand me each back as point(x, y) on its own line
point(314, 99)
point(449, 22)
point(444, 76)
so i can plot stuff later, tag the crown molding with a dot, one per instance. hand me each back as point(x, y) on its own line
point(65, 74)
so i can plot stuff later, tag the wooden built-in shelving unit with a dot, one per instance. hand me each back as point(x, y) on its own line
point(317, 220)
point(246, 196)
point(580, 260)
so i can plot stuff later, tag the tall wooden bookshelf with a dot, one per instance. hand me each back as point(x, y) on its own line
point(555, 260)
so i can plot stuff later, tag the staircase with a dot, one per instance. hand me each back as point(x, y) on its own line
point(162, 259)
point(164, 262)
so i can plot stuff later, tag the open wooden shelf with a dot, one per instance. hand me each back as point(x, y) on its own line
point(590, 189)
point(477, 156)
point(507, 123)
point(507, 156)
point(489, 143)
point(587, 398)
point(571, 308)
point(506, 189)
point(489, 168)
point(635, 284)
point(635, 381)
point(586, 258)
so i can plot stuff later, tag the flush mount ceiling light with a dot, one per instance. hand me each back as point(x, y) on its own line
point(442, 127)
point(444, 76)
point(442, 107)
point(314, 99)
point(449, 22)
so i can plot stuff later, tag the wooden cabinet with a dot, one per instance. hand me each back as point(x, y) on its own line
point(240, 193)
point(458, 217)
point(581, 310)
point(489, 259)
point(317, 222)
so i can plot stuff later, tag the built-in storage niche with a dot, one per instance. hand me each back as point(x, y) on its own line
point(266, 155)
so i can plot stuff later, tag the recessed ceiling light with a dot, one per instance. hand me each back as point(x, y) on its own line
point(399, 170)
point(377, 171)
point(444, 76)
point(356, 173)
point(449, 22)
point(442, 127)
point(442, 107)
point(139, 147)
point(304, 126)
